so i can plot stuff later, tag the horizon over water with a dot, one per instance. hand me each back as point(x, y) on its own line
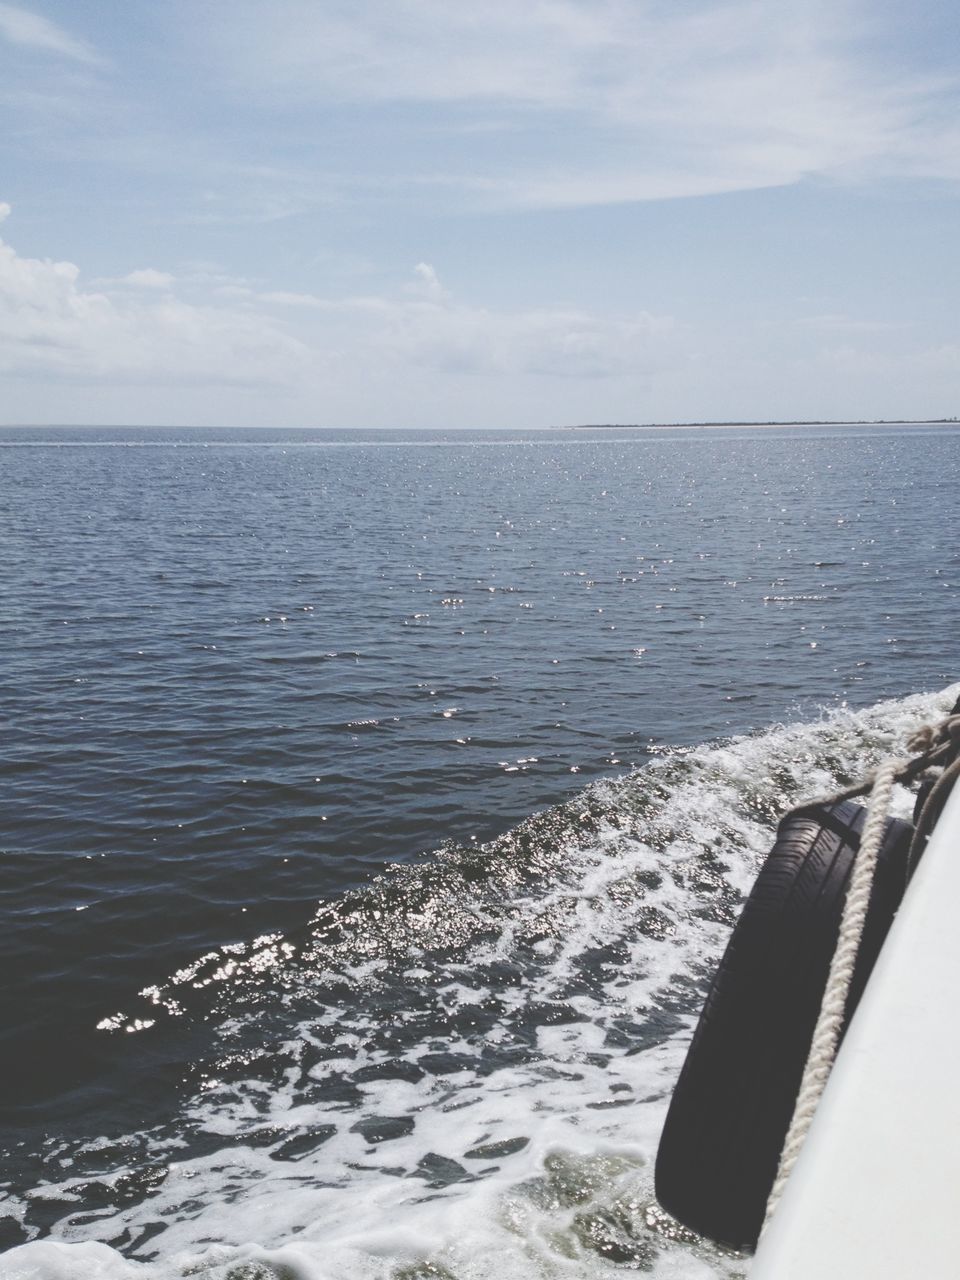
point(373, 807)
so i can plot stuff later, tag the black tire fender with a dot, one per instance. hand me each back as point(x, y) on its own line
point(732, 1105)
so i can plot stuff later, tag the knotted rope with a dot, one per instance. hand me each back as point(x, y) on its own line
point(938, 745)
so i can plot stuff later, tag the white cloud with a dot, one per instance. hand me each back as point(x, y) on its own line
point(447, 336)
point(842, 324)
point(419, 354)
point(426, 326)
point(944, 359)
point(51, 324)
point(21, 27)
point(148, 278)
point(602, 101)
point(281, 297)
point(427, 285)
point(910, 367)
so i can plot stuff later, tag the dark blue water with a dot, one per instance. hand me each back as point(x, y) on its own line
point(244, 672)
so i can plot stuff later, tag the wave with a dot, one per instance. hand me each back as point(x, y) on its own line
point(467, 1058)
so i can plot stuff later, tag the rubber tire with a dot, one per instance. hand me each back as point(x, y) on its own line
point(732, 1105)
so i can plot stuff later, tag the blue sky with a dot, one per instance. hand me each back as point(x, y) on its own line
point(428, 213)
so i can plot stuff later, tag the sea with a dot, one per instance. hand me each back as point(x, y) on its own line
point(374, 807)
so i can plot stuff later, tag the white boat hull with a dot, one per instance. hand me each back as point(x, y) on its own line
point(876, 1190)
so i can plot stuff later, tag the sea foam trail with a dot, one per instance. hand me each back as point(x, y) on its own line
point(464, 1066)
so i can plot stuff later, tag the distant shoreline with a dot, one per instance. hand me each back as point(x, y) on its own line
point(787, 422)
point(558, 427)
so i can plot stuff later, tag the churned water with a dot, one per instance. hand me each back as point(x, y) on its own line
point(374, 806)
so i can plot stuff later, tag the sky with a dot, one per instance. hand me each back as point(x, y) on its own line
point(435, 213)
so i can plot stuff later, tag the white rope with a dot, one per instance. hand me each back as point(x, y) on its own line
point(826, 1034)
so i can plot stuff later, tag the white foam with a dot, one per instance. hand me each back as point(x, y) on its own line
point(539, 1164)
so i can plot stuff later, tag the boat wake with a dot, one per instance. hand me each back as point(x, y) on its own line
point(468, 1059)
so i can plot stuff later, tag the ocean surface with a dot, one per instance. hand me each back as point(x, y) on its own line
point(373, 807)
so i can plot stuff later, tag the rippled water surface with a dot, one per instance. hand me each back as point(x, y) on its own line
point(247, 674)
